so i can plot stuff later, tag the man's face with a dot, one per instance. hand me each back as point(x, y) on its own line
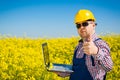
point(86, 29)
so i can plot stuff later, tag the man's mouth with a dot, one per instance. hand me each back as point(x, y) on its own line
point(82, 31)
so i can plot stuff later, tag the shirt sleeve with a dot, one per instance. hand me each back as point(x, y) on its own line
point(103, 56)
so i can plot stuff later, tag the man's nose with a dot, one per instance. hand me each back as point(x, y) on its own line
point(82, 26)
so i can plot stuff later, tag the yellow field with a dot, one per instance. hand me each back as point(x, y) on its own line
point(21, 58)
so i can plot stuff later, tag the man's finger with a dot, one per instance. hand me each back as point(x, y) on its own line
point(86, 43)
point(86, 51)
point(89, 38)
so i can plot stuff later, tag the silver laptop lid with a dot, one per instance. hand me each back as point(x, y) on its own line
point(45, 54)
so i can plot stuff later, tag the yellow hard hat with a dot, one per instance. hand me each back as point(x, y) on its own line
point(83, 15)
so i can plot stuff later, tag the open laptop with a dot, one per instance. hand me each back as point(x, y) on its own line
point(54, 67)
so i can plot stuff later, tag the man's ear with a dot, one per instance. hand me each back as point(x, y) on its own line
point(94, 24)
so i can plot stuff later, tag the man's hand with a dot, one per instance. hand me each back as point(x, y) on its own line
point(62, 74)
point(89, 47)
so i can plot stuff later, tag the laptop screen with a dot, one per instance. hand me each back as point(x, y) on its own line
point(45, 54)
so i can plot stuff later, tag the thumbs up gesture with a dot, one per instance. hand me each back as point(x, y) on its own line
point(89, 47)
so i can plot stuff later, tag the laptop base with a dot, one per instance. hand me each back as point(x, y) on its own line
point(61, 68)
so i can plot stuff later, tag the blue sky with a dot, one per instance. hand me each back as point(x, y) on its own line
point(55, 18)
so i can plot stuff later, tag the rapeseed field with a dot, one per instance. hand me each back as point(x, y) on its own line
point(21, 57)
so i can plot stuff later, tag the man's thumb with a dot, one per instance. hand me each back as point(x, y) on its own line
point(89, 38)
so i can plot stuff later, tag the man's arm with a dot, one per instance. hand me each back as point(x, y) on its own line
point(103, 55)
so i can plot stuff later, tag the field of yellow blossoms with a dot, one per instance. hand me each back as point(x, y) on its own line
point(22, 59)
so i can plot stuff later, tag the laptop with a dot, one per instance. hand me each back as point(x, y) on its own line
point(54, 67)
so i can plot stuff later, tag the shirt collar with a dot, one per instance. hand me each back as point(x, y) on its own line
point(94, 37)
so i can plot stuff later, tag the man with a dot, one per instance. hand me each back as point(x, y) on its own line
point(91, 60)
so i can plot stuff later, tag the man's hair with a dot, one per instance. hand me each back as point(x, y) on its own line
point(90, 20)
